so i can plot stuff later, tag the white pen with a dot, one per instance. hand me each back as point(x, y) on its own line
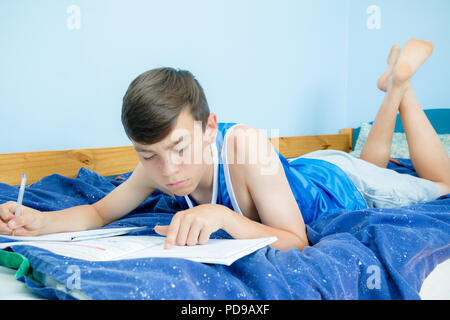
point(20, 197)
point(21, 192)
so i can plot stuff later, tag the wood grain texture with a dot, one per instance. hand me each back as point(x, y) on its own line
point(104, 161)
point(296, 146)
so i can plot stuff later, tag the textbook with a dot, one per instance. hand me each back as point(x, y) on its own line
point(215, 251)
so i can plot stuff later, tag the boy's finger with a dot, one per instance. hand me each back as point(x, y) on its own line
point(162, 230)
point(22, 232)
point(204, 236)
point(172, 233)
point(192, 238)
point(4, 228)
point(183, 230)
point(16, 222)
point(5, 213)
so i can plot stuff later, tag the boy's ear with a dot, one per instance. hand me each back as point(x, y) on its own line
point(211, 128)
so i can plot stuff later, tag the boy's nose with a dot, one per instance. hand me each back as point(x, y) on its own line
point(169, 168)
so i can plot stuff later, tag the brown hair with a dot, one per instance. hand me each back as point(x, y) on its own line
point(154, 101)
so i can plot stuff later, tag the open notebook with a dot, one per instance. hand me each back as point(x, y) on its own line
point(218, 251)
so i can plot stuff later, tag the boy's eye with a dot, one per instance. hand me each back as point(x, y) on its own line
point(148, 158)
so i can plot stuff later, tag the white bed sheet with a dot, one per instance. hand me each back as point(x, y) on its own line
point(435, 287)
point(12, 289)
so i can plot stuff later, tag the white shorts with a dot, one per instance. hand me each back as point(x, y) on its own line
point(380, 187)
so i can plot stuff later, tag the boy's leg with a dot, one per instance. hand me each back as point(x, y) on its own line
point(377, 147)
point(427, 153)
point(395, 81)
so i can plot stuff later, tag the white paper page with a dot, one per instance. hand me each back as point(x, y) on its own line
point(104, 249)
point(222, 251)
point(77, 236)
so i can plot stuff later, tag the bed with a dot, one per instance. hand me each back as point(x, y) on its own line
point(400, 253)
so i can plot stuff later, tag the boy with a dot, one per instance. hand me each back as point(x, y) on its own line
point(185, 153)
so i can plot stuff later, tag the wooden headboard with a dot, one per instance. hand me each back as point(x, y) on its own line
point(118, 160)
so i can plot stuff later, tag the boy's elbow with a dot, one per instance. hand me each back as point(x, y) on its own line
point(301, 243)
point(290, 242)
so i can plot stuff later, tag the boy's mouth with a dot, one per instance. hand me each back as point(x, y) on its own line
point(178, 184)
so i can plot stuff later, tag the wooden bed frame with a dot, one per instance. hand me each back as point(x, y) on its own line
point(118, 160)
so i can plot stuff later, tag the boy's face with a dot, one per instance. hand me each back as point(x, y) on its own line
point(178, 163)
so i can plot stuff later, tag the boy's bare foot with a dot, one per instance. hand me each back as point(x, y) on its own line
point(383, 81)
point(413, 55)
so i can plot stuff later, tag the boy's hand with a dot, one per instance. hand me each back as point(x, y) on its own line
point(193, 226)
point(28, 223)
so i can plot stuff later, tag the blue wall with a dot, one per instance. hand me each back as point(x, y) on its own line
point(400, 21)
point(303, 67)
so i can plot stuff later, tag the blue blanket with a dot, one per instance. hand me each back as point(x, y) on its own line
point(365, 254)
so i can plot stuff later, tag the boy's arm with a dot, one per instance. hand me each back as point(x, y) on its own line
point(123, 199)
point(269, 188)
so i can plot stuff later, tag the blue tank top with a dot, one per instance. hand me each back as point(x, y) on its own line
point(319, 187)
